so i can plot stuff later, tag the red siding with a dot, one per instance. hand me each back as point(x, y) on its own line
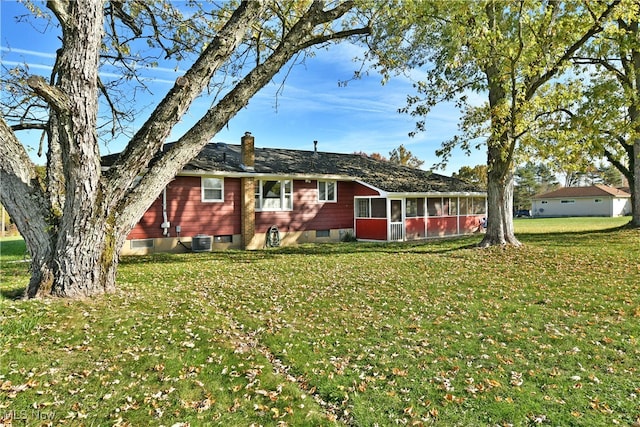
point(470, 224)
point(363, 190)
point(308, 213)
point(415, 228)
point(371, 228)
point(186, 209)
point(442, 226)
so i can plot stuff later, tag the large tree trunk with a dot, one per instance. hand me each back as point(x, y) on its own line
point(500, 183)
point(500, 149)
point(635, 184)
point(83, 264)
point(74, 251)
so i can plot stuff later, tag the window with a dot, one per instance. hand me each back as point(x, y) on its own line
point(464, 206)
point(223, 239)
point(371, 208)
point(567, 201)
point(479, 205)
point(323, 233)
point(274, 195)
point(212, 189)
point(453, 206)
point(141, 243)
point(415, 207)
point(363, 209)
point(327, 191)
point(378, 208)
point(434, 206)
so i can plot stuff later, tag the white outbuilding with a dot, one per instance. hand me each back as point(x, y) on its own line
point(595, 200)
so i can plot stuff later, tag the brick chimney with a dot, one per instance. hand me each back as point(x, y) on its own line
point(248, 201)
point(248, 151)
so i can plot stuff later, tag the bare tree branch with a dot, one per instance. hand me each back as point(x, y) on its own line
point(57, 99)
point(148, 140)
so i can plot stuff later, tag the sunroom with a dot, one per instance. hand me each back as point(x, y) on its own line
point(418, 216)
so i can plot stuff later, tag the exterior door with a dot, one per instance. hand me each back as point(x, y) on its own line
point(396, 222)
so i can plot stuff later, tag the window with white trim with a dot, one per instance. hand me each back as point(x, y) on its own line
point(414, 207)
point(212, 189)
point(371, 208)
point(465, 206)
point(479, 205)
point(274, 195)
point(434, 206)
point(327, 191)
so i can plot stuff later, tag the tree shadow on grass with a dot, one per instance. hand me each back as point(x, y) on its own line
point(13, 294)
point(428, 246)
point(568, 238)
point(435, 246)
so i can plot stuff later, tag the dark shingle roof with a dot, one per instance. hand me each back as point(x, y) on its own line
point(221, 158)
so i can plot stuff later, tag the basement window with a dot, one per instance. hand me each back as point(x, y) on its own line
point(141, 243)
point(227, 238)
point(323, 233)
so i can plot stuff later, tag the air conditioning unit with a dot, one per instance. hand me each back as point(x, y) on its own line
point(201, 243)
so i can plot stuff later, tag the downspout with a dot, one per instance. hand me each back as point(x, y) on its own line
point(165, 223)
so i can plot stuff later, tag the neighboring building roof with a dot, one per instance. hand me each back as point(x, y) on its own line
point(386, 176)
point(591, 191)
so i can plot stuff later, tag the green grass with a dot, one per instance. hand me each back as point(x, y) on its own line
point(567, 225)
point(431, 333)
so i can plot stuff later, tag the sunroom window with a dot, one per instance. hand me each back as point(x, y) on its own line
point(371, 208)
point(415, 207)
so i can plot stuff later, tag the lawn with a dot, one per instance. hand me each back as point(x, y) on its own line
point(433, 333)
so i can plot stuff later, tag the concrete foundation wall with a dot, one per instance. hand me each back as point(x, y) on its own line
point(258, 241)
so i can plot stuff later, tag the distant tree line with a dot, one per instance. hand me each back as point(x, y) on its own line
point(398, 156)
point(533, 178)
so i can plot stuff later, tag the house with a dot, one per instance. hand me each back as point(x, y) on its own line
point(231, 196)
point(596, 200)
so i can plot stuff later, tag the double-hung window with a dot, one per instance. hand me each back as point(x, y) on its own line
point(274, 195)
point(212, 189)
point(327, 191)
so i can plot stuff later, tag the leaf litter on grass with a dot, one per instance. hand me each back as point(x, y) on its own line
point(407, 334)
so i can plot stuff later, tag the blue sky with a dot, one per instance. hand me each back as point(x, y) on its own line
point(312, 105)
